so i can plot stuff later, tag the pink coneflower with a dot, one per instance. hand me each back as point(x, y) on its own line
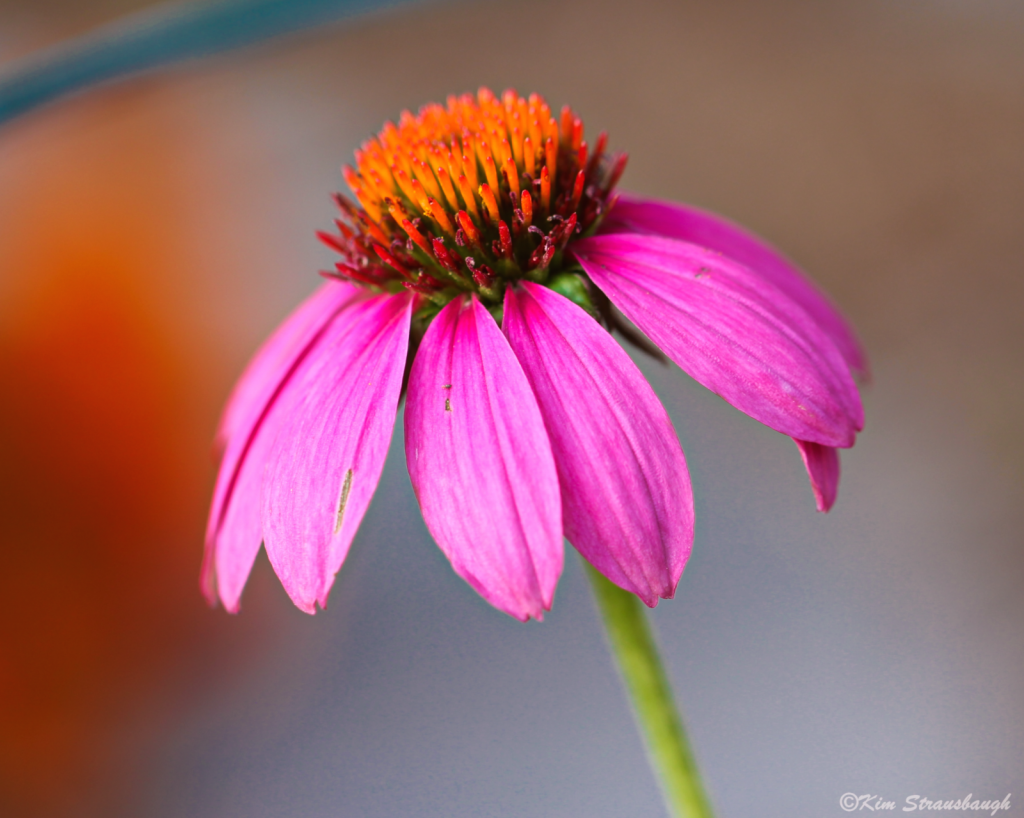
point(481, 272)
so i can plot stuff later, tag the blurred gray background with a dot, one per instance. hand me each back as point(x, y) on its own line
point(877, 649)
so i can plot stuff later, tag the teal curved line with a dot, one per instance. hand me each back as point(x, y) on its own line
point(160, 36)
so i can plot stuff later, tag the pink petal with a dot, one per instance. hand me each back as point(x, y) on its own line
point(730, 330)
point(328, 455)
point(272, 359)
point(481, 463)
point(678, 221)
point(228, 559)
point(238, 539)
point(233, 546)
point(822, 464)
point(626, 498)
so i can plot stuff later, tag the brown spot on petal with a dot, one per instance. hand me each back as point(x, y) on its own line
point(346, 487)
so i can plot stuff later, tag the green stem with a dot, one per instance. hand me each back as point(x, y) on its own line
point(636, 653)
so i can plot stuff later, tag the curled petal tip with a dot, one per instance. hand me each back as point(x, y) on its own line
point(822, 464)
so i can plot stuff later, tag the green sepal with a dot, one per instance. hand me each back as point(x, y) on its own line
point(573, 287)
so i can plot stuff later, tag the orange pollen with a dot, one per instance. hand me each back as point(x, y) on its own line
point(490, 202)
point(419, 196)
point(577, 190)
point(499, 181)
point(404, 184)
point(527, 208)
point(466, 189)
point(426, 176)
point(517, 145)
point(468, 227)
point(512, 176)
point(529, 157)
point(351, 177)
point(491, 171)
point(577, 134)
point(567, 120)
point(446, 186)
point(438, 214)
point(416, 236)
point(535, 136)
point(369, 204)
point(469, 168)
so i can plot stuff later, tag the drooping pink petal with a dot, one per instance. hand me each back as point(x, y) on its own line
point(732, 331)
point(228, 559)
point(237, 541)
point(328, 454)
point(627, 505)
point(481, 463)
point(234, 544)
point(679, 221)
point(272, 359)
point(822, 464)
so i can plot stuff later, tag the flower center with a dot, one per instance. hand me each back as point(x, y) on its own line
point(470, 198)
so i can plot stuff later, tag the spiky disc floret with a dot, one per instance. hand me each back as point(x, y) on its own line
point(471, 197)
